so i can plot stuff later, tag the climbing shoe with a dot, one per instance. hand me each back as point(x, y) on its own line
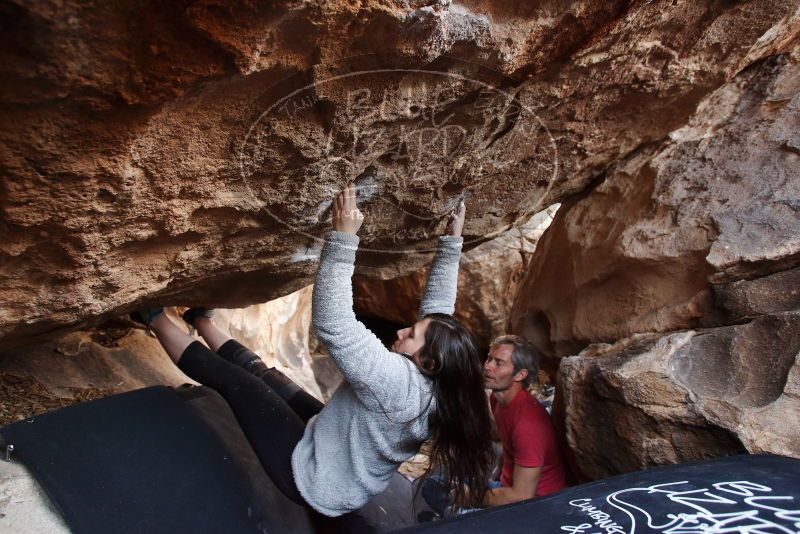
point(191, 314)
point(146, 316)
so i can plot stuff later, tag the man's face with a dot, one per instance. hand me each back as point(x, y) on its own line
point(498, 370)
point(410, 340)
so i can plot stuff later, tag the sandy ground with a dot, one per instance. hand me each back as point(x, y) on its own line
point(24, 507)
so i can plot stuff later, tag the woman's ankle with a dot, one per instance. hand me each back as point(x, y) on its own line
point(205, 327)
point(158, 321)
point(203, 320)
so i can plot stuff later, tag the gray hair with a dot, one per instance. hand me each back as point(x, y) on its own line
point(523, 355)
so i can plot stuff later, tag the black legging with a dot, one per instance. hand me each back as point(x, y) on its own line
point(271, 409)
point(304, 405)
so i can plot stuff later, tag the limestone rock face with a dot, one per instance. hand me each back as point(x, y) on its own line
point(186, 154)
point(701, 229)
point(111, 360)
point(679, 270)
point(117, 358)
point(489, 277)
point(651, 400)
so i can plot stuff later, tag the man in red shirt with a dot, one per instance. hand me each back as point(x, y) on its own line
point(532, 464)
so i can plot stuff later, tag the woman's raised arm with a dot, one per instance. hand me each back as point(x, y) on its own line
point(379, 377)
point(440, 291)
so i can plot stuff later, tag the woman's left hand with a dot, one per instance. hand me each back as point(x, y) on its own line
point(455, 223)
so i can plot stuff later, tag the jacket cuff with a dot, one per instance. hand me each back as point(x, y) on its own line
point(449, 246)
point(340, 246)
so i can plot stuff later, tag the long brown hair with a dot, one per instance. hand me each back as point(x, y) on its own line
point(460, 443)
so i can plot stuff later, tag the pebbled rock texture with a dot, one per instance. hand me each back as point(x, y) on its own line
point(700, 229)
point(650, 400)
point(679, 270)
point(151, 152)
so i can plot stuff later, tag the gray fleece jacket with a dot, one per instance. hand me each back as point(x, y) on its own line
point(378, 417)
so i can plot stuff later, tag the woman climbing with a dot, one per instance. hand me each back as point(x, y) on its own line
point(429, 386)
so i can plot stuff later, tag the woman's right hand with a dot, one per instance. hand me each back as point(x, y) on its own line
point(455, 222)
point(346, 215)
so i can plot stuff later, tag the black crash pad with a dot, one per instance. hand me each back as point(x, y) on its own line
point(157, 460)
point(141, 461)
point(758, 494)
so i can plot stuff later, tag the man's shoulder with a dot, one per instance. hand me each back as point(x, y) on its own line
point(531, 410)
